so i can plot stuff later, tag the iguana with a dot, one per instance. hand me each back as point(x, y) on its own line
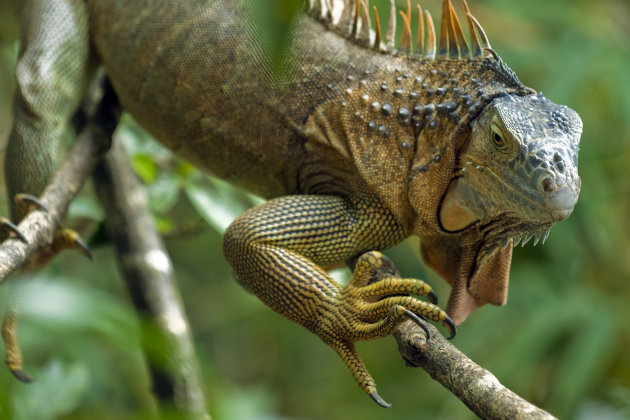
point(358, 145)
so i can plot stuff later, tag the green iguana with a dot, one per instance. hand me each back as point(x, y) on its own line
point(360, 145)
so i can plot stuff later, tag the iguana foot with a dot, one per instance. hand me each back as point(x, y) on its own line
point(378, 304)
point(368, 309)
point(24, 203)
point(63, 239)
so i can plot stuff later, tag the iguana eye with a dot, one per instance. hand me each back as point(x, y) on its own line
point(499, 143)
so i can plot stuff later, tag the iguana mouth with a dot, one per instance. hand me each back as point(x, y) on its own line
point(547, 198)
point(498, 233)
point(462, 206)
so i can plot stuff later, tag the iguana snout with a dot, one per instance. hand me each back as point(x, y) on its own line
point(559, 198)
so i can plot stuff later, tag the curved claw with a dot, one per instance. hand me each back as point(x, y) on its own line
point(80, 245)
point(73, 240)
point(380, 401)
point(421, 323)
point(6, 224)
point(21, 376)
point(448, 323)
point(433, 297)
point(450, 326)
point(26, 201)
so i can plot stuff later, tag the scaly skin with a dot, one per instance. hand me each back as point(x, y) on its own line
point(356, 149)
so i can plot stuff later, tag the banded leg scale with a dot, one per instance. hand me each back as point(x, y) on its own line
point(277, 249)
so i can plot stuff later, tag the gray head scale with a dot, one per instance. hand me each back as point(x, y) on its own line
point(518, 172)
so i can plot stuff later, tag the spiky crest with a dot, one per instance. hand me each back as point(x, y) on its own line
point(420, 39)
point(352, 19)
point(430, 47)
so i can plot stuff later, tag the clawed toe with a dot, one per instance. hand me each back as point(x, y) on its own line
point(444, 319)
point(27, 202)
point(419, 321)
point(450, 326)
point(366, 269)
point(372, 305)
point(12, 348)
point(374, 297)
point(24, 203)
point(8, 226)
point(380, 401)
point(71, 239)
point(21, 376)
point(433, 298)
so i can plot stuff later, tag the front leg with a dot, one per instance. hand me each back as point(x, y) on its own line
point(277, 250)
point(50, 76)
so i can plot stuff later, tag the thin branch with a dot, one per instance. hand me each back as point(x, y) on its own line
point(147, 269)
point(476, 387)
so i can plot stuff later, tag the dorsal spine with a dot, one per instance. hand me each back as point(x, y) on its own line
point(352, 19)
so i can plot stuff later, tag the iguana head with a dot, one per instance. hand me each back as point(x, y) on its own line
point(514, 177)
point(518, 172)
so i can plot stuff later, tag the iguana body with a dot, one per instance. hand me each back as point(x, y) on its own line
point(357, 148)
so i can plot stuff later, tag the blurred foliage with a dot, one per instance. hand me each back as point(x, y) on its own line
point(560, 342)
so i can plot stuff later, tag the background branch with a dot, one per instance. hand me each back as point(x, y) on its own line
point(148, 273)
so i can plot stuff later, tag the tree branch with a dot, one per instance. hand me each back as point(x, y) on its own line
point(148, 272)
point(476, 387)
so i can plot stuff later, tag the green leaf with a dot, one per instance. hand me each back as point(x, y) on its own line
point(145, 167)
point(274, 20)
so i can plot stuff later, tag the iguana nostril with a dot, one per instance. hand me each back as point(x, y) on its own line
point(547, 185)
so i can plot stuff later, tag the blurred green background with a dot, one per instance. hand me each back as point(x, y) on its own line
point(561, 341)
